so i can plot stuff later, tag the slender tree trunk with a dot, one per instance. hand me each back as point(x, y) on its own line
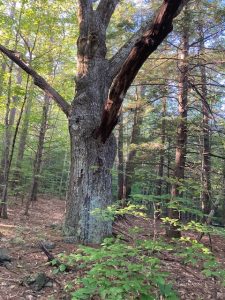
point(22, 143)
point(173, 231)
point(168, 185)
point(121, 161)
point(62, 179)
point(3, 69)
point(161, 158)
point(223, 196)
point(11, 117)
point(206, 163)
point(130, 166)
point(39, 153)
point(9, 121)
point(6, 150)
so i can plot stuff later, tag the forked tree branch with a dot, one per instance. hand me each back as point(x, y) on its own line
point(150, 39)
point(38, 80)
point(106, 9)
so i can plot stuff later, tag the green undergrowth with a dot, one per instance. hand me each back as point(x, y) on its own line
point(137, 270)
point(118, 270)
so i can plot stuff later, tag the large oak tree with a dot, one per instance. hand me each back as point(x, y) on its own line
point(101, 85)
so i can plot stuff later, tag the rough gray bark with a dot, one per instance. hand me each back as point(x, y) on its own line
point(179, 168)
point(91, 162)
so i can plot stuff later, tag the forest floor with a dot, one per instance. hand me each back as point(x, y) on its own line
point(20, 237)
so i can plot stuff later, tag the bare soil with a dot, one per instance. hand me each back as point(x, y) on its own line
point(21, 236)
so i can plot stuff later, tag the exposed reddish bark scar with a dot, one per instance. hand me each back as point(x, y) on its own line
point(108, 104)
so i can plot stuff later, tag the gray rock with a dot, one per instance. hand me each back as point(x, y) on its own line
point(40, 281)
point(49, 284)
point(48, 245)
point(4, 256)
point(37, 282)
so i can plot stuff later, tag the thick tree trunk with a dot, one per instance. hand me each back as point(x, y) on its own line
point(91, 160)
point(173, 231)
point(120, 161)
point(91, 163)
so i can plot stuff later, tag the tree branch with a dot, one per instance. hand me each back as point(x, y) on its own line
point(105, 10)
point(38, 80)
point(84, 11)
point(151, 37)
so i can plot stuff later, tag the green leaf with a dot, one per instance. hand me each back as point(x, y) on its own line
point(62, 268)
